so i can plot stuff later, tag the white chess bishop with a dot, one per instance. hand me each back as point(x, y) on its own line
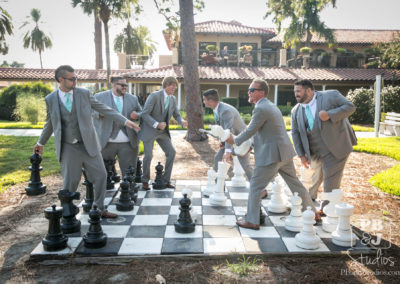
point(307, 238)
point(210, 188)
point(294, 222)
point(238, 179)
point(343, 235)
point(223, 135)
point(218, 198)
point(330, 222)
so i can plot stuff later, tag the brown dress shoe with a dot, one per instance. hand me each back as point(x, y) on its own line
point(170, 185)
point(106, 214)
point(145, 186)
point(264, 194)
point(247, 225)
point(321, 213)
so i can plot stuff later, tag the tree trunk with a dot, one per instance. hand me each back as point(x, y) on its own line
point(40, 56)
point(106, 36)
point(194, 107)
point(98, 42)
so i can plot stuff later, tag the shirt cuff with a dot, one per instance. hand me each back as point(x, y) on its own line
point(155, 124)
point(37, 143)
point(228, 150)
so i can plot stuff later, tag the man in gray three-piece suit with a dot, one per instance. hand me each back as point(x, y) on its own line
point(273, 153)
point(69, 116)
point(322, 135)
point(157, 111)
point(114, 139)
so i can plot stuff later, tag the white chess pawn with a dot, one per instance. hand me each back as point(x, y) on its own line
point(218, 198)
point(238, 179)
point(294, 222)
point(210, 188)
point(277, 203)
point(330, 222)
point(307, 238)
point(343, 235)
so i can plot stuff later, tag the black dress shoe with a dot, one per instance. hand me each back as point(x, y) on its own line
point(145, 186)
point(170, 185)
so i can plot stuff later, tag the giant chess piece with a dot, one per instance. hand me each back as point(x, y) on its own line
point(185, 223)
point(95, 238)
point(223, 135)
point(87, 205)
point(218, 198)
point(55, 239)
point(35, 186)
point(159, 182)
point(133, 187)
point(124, 203)
point(69, 223)
point(110, 183)
point(294, 222)
point(307, 238)
point(139, 171)
point(210, 188)
point(115, 176)
point(277, 203)
point(238, 179)
point(330, 222)
point(343, 235)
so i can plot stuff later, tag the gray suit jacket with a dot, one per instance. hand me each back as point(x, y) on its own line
point(271, 142)
point(153, 111)
point(336, 132)
point(229, 118)
point(84, 103)
point(104, 125)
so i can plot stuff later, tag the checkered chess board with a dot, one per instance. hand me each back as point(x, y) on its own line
point(149, 228)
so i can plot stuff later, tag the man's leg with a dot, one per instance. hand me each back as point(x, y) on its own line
point(126, 156)
point(71, 165)
point(316, 179)
point(165, 143)
point(245, 163)
point(148, 156)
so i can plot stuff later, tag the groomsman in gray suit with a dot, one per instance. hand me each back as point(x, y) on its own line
point(69, 117)
point(273, 153)
point(114, 139)
point(322, 135)
point(156, 114)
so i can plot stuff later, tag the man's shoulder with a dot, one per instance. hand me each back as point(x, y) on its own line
point(51, 95)
point(81, 90)
point(102, 94)
point(295, 108)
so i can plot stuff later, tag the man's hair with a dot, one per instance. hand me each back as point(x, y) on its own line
point(62, 70)
point(116, 78)
point(211, 94)
point(305, 84)
point(262, 85)
point(169, 81)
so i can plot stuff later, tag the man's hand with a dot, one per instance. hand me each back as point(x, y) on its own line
point(101, 115)
point(305, 162)
point(230, 140)
point(226, 157)
point(134, 115)
point(38, 149)
point(324, 115)
point(131, 124)
point(162, 125)
point(184, 123)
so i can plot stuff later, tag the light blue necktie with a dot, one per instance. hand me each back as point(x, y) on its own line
point(119, 105)
point(216, 116)
point(310, 118)
point(166, 103)
point(68, 103)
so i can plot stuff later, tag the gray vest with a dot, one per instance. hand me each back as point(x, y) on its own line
point(69, 121)
point(318, 148)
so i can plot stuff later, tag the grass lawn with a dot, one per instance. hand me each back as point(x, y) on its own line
point(5, 124)
point(15, 152)
point(388, 181)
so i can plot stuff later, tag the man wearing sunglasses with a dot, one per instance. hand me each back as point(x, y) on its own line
point(116, 140)
point(69, 117)
point(273, 153)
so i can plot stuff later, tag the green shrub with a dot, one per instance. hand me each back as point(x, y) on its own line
point(363, 99)
point(285, 110)
point(391, 99)
point(231, 101)
point(208, 119)
point(246, 117)
point(30, 108)
point(246, 109)
point(305, 50)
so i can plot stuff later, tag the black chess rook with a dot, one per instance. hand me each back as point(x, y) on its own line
point(185, 223)
point(159, 182)
point(87, 204)
point(55, 240)
point(95, 237)
point(124, 202)
point(35, 186)
point(69, 223)
point(139, 172)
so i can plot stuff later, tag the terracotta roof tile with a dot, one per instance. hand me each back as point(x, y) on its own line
point(233, 27)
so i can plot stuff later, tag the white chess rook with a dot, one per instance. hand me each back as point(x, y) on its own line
point(210, 188)
point(294, 222)
point(307, 238)
point(238, 179)
point(218, 198)
point(343, 235)
point(223, 135)
point(330, 222)
point(277, 203)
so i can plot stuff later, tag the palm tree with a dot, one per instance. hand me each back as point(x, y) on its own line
point(6, 27)
point(36, 38)
point(135, 40)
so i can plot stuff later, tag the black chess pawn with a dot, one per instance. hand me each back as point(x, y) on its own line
point(185, 223)
point(95, 237)
point(55, 239)
point(139, 172)
point(133, 187)
point(87, 205)
point(115, 176)
point(69, 223)
point(124, 203)
point(35, 186)
point(109, 164)
point(159, 182)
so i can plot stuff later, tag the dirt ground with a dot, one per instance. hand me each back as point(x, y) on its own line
point(22, 226)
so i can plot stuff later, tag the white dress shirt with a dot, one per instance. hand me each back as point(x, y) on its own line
point(121, 136)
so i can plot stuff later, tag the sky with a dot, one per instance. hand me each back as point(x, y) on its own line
point(71, 30)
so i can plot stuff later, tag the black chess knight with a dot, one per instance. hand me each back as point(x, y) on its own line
point(159, 182)
point(185, 223)
point(69, 223)
point(35, 186)
point(55, 239)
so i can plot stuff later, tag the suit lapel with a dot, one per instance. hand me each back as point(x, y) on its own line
point(77, 102)
point(300, 119)
point(319, 107)
point(124, 106)
point(58, 102)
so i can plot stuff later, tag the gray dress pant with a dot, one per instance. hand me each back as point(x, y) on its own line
point(127, 155)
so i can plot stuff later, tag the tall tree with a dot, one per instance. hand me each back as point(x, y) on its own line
point(36, 39)
point(304, 19)
point(6, 27)
point(191, 80)
point(90, 8)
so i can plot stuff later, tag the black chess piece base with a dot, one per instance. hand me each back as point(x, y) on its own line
point(185, 228)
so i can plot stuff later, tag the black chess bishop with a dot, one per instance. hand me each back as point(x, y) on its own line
point(185, 222)
point(159, 182)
